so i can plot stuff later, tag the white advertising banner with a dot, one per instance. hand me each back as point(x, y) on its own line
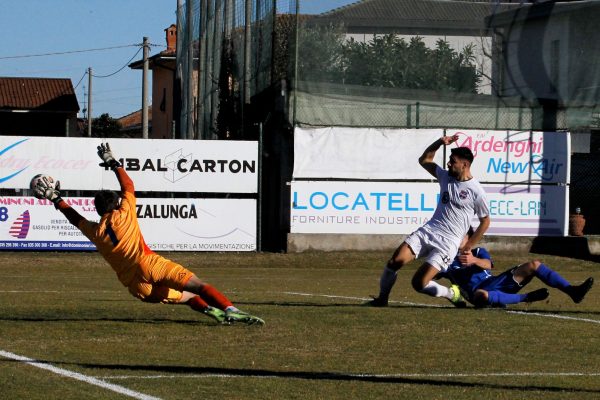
point(527, 210)
point(402, 207)
point(518, 156)
point(167, 224)
point(362, 153)
point(361, 207)
point(154, 165)
point(366, 153)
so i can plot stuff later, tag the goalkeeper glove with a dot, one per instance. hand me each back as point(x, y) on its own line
point(44, 190)
point(108, 160)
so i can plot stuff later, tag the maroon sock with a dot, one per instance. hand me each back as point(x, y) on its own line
point(197, 304)
point(215, 298)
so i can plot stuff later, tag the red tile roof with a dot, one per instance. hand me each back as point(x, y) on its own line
point(134, 120)
point(47, 94)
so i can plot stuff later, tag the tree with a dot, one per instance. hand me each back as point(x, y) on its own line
point(385, 61)
point(105, 126)
point(320, 53)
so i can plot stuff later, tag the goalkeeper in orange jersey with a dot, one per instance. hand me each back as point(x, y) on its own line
point(148, 276)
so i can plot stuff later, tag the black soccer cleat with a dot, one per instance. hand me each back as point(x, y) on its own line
point(377, 302)
point(537, 295)
point(577, 293)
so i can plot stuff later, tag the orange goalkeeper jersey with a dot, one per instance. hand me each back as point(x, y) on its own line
point(117, 235)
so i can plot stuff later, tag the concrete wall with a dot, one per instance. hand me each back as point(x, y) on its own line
point(580, 246)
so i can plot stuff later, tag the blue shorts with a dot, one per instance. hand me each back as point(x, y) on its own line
point(505, 282)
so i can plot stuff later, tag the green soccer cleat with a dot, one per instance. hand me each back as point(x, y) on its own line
point(457, 300)
point(216, 314)
point(240, 316)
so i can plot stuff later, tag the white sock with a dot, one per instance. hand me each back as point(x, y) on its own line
point(232, 308)
point(386, 282)
point(436, 290)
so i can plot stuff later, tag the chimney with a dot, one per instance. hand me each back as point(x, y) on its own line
point(171, 32)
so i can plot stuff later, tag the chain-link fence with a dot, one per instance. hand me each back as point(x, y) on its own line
point(396, 63)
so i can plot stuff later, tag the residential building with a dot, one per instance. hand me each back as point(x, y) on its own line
point(38, 107)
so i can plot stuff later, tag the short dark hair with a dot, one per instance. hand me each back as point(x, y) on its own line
point(463, 152)
point(106, 201)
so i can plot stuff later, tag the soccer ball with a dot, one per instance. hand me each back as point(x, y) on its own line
point(39, 181)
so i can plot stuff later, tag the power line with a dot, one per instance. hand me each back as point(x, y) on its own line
point(120, 69)
point(68, 52)
point(84, 74)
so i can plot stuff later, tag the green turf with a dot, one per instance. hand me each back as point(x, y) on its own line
point(69, 311)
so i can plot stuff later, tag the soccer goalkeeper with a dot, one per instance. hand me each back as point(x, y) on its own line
point(148, 276)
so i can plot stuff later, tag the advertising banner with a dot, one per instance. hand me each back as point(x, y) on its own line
point(365, 153)
point(402, 207)
point(517, 156)
point(167, 224)
point(362, 153)
point(527, 210)
point(154, 165)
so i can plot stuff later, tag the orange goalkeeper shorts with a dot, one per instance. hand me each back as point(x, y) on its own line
point(159, 280)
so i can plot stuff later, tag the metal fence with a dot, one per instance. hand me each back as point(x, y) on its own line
point(396, 63)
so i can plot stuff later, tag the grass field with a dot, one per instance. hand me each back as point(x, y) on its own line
point(69, 330)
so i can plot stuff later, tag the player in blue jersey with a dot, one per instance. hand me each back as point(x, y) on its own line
point(471, 273)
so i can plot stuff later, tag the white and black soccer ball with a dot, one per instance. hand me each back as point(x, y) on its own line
point(41, 181)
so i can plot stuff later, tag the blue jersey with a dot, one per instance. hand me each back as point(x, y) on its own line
point(471, 277)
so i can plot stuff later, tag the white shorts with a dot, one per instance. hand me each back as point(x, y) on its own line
point(438, 249)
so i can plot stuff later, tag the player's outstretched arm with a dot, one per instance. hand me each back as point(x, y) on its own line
point(109, 161)
point(426, 159)
point(44, 190)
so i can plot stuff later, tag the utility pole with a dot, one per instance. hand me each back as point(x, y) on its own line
point(145, 91)
point(89, 108)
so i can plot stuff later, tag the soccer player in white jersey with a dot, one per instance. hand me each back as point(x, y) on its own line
point(461, 198)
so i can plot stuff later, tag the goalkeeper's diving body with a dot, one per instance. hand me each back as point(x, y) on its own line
point(148, 276)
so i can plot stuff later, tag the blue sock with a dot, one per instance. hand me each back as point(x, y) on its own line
point(551, 277)
point(497, 298)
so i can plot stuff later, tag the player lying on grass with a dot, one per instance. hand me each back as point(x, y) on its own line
point(471, 274)
point(148, 276)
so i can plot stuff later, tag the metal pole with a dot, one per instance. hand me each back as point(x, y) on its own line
point(145, 90)
point(296, 52)
point(89, 130)
point(189, 107)
point(260, 192)
point(201, 71)
point(177, 92)
point(418, 115)
point(247, 49)
point(208, 74)
point(217, 50)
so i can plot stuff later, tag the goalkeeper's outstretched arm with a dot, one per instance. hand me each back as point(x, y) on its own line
point(124, 180)
point(72, 216)
point(109, 160)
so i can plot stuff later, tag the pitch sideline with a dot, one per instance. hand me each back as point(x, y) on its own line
point(594, 321)
point(76, 375)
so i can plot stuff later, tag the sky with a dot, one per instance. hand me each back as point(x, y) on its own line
point(102, 34)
